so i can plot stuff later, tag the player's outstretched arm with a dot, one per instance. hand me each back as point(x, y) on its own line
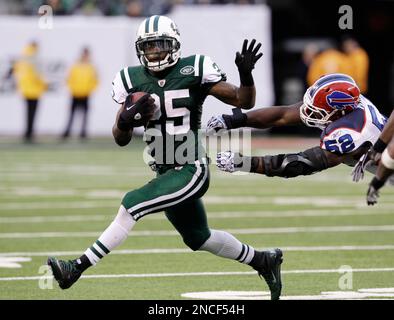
point(243, 96)
point(261, 119)
point(288, 165)
point(275, 116)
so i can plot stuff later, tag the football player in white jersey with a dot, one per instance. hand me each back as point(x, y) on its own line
point(350, 124)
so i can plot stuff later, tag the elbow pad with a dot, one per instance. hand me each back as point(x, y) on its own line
point(295, 164)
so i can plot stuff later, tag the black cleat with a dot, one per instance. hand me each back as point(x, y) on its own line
point(270, 271)
point(65, 272)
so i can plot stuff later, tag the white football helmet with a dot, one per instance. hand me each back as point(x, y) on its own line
point(160, 34)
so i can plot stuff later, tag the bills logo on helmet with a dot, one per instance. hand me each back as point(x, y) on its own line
point(340, 100)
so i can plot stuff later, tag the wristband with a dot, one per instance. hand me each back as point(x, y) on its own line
point(376, 183)
point(247, 164)
point(236, 120)
point(255, 164)
point(379, 146)
point(246, 80)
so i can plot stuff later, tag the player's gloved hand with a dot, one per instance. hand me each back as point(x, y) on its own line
point(225, 161)
point(246, 60)
point(215, 124)
point(226, 121)
point(373, 191)
point(372, 157)
point(134, 114)
point(229, 161)
point(368, 159)
point(372, 196)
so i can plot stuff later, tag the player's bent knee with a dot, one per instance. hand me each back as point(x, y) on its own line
point(133, 198)
point(129, 199)
point(196, 239)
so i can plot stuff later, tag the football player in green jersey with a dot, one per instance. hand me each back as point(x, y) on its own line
point(170, 111)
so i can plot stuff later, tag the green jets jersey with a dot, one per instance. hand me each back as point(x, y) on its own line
point(172, 133)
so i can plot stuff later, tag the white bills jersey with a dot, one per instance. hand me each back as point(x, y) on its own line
point(362, 127)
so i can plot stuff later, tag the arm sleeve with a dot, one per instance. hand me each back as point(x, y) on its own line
point(211, 72)
point(119, 92)
point(292, 165)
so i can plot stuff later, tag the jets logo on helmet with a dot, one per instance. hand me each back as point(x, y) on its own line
point(329, 98)
point(158, 43)
point(174, 28)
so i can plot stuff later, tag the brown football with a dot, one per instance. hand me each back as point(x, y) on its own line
point(139, 120)
point(135, 96)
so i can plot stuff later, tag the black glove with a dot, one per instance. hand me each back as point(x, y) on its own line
point(373, 191)
point(246, 60)
point(136, 114)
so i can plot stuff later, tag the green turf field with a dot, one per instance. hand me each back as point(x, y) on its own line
point(58, 198)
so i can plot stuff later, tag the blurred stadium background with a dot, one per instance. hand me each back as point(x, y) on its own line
point(56, 197)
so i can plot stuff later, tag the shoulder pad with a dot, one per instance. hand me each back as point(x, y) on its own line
point(211, 72)
point(355, 121)
point(121, 86)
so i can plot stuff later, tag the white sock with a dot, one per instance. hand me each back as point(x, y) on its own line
point(112, 237)
point(223, 244)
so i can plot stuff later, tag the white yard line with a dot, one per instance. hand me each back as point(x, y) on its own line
point(185, 250)
point(196, 274)
point(33, 235)
point(211, 214)
point(57, 205)
point(45, 219)
point(112, 202)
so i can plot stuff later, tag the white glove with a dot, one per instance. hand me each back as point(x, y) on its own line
point(225, 161)
point(368, 159)
point(358, 171)
point(215, 124)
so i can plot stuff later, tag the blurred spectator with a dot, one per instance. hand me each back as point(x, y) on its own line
point(309, 53)
point(134, 8)
point(108, 7)
point(58, 7)
point(82, 80)
point(30, 84)
point(359, 61)
point(91, 7)
point(151, 7)
point(328, 61)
